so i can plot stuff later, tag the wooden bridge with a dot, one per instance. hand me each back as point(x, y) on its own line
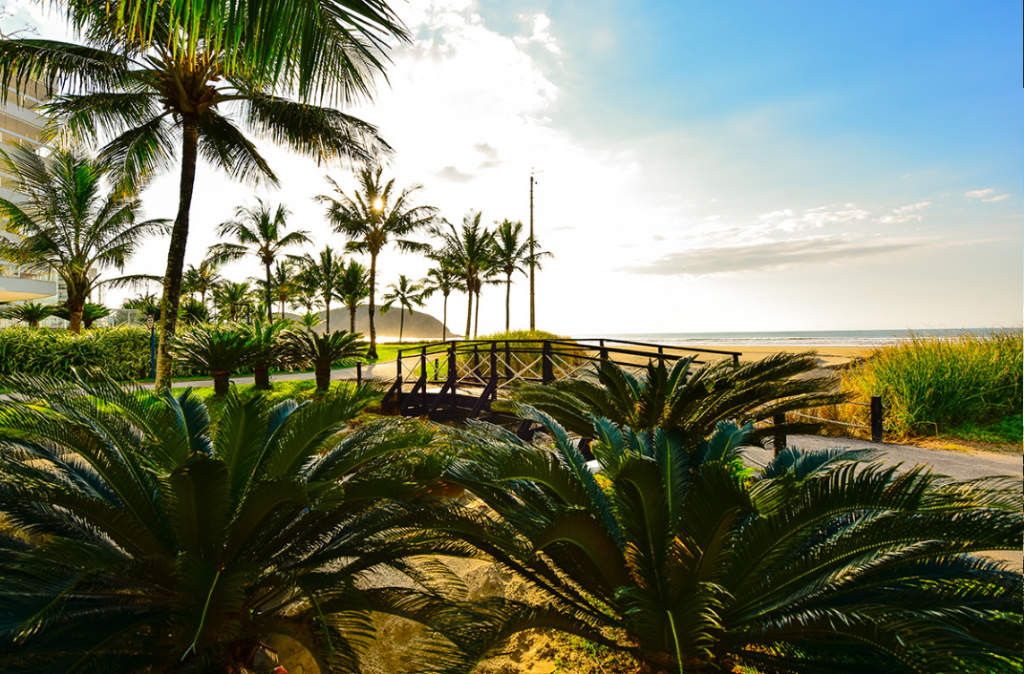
point(459, 379)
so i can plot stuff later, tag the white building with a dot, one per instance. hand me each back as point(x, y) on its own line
point(18, 123)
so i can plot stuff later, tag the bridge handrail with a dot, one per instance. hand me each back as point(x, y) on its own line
point(444, 346)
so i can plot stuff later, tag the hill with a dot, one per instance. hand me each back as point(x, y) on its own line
point(419, 325)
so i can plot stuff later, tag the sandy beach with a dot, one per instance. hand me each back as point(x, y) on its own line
point(829, 355)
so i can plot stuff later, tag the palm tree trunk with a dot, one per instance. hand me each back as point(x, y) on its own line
point(444, 321)
point(508, 294)
point(281, 313)
point(371, 353)
point(221, 382)
point(327, 313)
point(401, 323)
point(352, 320)
point(261, 375)
point(469, 314)
point(323, 376)
point(176, 252)
point(476, 323)
point(76, 307)
point(270, 301)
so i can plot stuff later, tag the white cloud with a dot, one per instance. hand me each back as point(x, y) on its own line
point(541, 23)
point(999, 198)
point(919, 206)
point(774, 255)
point(786, 220)
point(976, 194)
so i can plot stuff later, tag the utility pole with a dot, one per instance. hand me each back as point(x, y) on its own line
point(533, 309)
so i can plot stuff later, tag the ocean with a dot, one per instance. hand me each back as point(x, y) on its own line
point(809, 338)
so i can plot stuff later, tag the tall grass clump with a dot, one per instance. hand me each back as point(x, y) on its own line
point(931, 385)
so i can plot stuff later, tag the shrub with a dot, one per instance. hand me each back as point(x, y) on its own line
point(933, 384)
point(122, 352)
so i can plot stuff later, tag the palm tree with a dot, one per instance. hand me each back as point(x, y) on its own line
point(151, 92)
point(145, 304)
point(816, 563)
point(353, 287)
point(284, 284)
point(470, 252)
point(373, 217)
point(29, 312)
point(192, 312)
point(443, 278)
point(324, 274)
point(231, 299)
point(685, 401)
point(305, 347)
point(173, 544)
point(512, 255)
point(202, 279)
point(258, 232)
point(65, 223)
point(407, 294)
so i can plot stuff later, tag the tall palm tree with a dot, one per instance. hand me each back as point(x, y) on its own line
point(258, 231)
point(374, 216)
point(444, 279)
point(470, 252)
point(512, 255)
point(65, 223)
point(353, 287)
point(323, 273)
point(174, 544)
point(407, 294)
point(283, 284)
point(202, 279)
point(690, 563)
point(151, 92)
point(231, 299)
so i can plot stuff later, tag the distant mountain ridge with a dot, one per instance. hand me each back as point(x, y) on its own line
point(419, 325)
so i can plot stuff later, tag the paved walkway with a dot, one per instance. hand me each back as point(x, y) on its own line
point(384, 370)
point(959, 465)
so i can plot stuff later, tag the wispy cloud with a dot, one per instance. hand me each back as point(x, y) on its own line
point(999, 198)
point(977, 194)
point(906, 213)
point(774, 255)
point(453, 174)
point(788, 221)
point(540, 35)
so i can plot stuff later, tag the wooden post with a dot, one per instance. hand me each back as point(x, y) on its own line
point(604, 351)
point(494, 364)
point(547, 365)
point(508, 364)
point(359, 372)
point(423, 364)
point(780, 436)
point(398, 361)
point(453, 366)
point(476, 361)
point(877, 430)
point(435, 369)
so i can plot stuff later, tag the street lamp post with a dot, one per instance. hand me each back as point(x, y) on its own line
point(151, 324)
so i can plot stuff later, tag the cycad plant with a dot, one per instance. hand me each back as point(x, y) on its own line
point(216, 349)
point(139, 537)
point(28, 312)
point(307, 348)
point(268, 348)
point(685, 398)
point(90, 313)
point(685, 560)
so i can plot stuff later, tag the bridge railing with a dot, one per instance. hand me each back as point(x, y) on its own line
point(500, 363)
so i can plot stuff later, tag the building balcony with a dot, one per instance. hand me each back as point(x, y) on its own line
point(25, 287)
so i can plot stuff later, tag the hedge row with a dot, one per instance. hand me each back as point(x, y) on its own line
point(121, 352)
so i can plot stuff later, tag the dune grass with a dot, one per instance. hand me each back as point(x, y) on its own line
point(963, 385)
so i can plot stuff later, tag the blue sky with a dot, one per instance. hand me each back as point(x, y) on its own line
point(708, 166)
